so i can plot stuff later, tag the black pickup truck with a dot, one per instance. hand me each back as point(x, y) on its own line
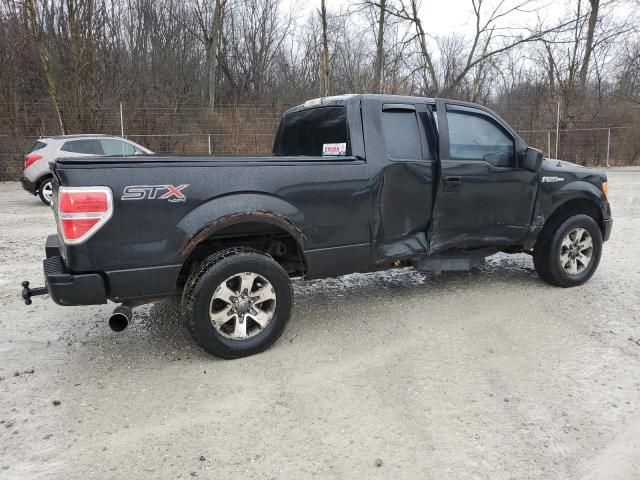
point(356, 183)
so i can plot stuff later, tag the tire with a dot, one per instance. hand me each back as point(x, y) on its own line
point(561, 251)
point(205, 301)
point(45, 189)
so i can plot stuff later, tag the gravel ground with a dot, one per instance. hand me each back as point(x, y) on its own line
point(492, 374)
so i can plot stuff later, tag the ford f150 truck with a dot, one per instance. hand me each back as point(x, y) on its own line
point(356, 183)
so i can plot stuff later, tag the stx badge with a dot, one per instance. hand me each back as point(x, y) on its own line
point(155, 192)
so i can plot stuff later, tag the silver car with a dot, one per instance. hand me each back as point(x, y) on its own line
point(36, 177)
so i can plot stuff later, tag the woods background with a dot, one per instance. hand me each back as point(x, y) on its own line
point(214, 75)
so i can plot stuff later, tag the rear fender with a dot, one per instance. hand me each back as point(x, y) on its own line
point(221, 212)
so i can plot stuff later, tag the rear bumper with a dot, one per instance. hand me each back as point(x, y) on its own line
point(607, 226)
point(66, 288)
point(28, 185)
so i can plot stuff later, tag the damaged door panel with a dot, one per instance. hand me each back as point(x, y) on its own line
point(485, 197)
point(403, 185)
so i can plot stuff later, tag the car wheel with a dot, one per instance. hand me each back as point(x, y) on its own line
point(237, 302)
point(567, 253)
point(45, 191)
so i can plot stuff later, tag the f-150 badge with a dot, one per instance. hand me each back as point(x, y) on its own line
point(551, 179)
point(155, 192)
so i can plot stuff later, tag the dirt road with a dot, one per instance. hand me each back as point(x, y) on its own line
point(490, 375)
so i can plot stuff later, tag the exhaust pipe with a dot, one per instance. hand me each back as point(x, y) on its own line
point(120, 318)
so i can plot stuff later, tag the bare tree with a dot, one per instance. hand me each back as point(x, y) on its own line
point(588, 47)
point(210, 29)
point(378, 63)
point(482, 45)
point(324, 54)
point(253, 35)
point(66, 64)
point(37, 32)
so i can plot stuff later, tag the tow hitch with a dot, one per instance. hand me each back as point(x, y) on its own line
point(27, 292)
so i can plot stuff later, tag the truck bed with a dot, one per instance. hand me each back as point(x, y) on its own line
point(325, 199)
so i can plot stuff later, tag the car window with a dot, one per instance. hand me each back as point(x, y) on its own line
point(112, 146)
point(37, 146)
point(401, 134)
point(475, 137)
point(314, 132)
point(86, 146)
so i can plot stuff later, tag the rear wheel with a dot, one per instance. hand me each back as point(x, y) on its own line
point(568, 251)
point(237, 302)
point(45, 191)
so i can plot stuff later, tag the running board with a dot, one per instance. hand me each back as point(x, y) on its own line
point(437, 264)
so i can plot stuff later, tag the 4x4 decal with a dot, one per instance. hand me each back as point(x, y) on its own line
point(155, 192)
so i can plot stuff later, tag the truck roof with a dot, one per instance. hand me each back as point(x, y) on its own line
point(342, 99)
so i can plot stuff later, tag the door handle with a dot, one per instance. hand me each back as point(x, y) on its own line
point(452, 182)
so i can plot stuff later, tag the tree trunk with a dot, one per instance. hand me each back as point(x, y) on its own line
point(588, 48)
point(52, 83)
point(377, 68)
point(212, 52)
point(422, 38)
point(552, 69)
point(480, 69)
point(324, 57)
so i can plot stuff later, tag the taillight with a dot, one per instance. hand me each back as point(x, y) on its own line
point(34, 157)
point(82, 211)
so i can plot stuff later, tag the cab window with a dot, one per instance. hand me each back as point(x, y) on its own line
point(476, 137)
point(401, 134)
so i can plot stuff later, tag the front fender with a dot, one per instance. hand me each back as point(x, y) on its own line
point(226, 210)
point(577, 190)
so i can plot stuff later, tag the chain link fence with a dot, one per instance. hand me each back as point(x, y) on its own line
point(12, 152)
point(207, 143)
point(601, 147)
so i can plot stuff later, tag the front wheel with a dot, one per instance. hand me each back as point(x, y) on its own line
point(568, 252)
point(237, 302)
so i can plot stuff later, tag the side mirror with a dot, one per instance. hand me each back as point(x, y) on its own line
point(531, 159)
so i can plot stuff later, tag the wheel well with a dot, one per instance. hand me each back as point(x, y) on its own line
point(46, 176)
point(578, 206)
point(265, 237)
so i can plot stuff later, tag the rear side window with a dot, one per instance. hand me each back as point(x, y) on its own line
point(314, 132)
point(37, 146)
point(88, 147)
point(111, 146)
point(401, 134)
point(475, 137)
